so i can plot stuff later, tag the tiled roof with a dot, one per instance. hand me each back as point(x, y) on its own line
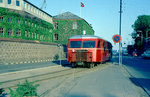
point(66, 15)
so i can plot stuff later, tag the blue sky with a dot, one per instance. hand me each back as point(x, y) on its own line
point(102, 14)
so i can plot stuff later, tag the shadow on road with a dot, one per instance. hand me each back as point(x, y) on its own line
point(77, 95)
point(81, 95)
point(141, 82)
point(64, 63)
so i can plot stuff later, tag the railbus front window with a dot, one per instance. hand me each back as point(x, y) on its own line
point(75, 44)
point(88, 44)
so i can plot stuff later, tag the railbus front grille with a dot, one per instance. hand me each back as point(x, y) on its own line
point(81, 55)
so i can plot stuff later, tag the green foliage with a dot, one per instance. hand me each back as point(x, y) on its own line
point(1, 91)
point(142, 23)
point(25, 89)
point(38, 29)
point(56, 57)
point(141, 27)
point(2, 94)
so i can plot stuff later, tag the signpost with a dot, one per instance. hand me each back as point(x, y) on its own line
point(117, 39)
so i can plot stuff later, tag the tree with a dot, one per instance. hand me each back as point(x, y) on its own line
point(141, 26)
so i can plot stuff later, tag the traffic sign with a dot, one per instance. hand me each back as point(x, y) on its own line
point(116, 38)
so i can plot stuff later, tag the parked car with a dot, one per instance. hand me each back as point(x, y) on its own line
point(146, 54)
point(134, 54)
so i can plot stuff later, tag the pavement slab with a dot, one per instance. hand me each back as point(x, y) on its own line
point(110, 81)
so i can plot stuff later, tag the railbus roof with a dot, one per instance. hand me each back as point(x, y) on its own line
point(87, 37)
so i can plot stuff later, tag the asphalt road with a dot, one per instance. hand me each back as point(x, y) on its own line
point(27, 66)
point(108, 81)
point(139, 70)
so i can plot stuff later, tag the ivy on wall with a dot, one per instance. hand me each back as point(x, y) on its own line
point(38, 29)
point(65, 29)
point(31, 29)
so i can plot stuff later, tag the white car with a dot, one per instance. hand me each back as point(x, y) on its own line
point(146, 54)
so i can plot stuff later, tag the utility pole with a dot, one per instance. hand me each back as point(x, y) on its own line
point(120, 43)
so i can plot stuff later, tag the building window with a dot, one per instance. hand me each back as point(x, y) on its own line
point(1, 31)
point(30, 8)
point(10, 32)
point(32, 34)
point(56, 25)
point(29, 34)
point(17, 3)
point(74, 25)
point(18, 20)
point(35, 35)
point(25, 33)
point(9, 1)
point(10, 20)
point(18, 32)
point(25, 22)
point(1, 1)
point(41, 37)
point(28, 23)
point(27, 6)
point(55, 36)
point(1, 19)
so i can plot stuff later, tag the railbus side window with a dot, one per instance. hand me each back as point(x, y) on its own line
point(99, 44)
point(104, 45)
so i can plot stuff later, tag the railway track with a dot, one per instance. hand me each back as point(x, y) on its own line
point(12, 83)
point(63, 72)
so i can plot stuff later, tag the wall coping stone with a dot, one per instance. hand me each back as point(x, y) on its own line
point(26, 41)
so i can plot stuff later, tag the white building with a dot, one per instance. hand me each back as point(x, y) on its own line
point(25, 6)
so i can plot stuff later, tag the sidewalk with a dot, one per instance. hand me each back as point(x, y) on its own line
point(110, 81)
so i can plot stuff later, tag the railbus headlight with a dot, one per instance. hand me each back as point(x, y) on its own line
point(72, 50)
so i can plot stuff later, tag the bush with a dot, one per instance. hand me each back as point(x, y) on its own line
point(26, 89)
point(2, 94)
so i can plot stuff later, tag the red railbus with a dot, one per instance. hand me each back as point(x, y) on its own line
point(88, 50)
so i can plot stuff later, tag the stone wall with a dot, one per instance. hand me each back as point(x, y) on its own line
point(22, 51)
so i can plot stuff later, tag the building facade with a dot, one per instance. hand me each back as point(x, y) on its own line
point(67, 25)
point(22, 20)
point(30, 35)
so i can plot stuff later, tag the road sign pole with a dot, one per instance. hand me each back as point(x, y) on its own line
point(120, 43)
